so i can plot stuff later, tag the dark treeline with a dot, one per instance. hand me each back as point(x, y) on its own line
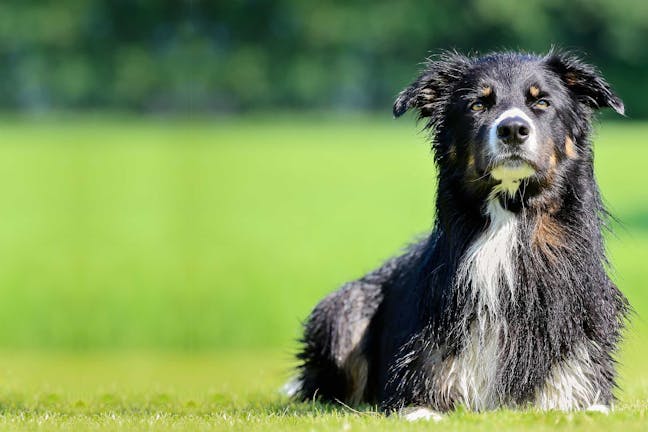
point(242, 55)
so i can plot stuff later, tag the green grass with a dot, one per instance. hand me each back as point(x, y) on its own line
point(154, 272)
point(225, 391)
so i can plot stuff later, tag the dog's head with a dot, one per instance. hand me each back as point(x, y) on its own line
point(508, 119)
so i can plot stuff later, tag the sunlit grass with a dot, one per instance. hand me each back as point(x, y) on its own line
point(224, 391)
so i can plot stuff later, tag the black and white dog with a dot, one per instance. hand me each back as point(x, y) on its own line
point(507, 303)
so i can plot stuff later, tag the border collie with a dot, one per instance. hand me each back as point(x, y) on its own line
point(507, 302)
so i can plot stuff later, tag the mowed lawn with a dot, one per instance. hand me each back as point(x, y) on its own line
point(155, 271)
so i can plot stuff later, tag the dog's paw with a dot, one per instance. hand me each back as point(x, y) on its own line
point(291, 388)
point(603, 409)
point(413, 414)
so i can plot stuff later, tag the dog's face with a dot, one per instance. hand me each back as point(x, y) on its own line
point(507, 120)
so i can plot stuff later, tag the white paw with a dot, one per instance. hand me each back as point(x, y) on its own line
point(291, 388)
point(413, 414)
point(603, 409)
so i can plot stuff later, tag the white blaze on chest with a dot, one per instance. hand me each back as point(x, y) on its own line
point(488, 270)
point(488, 265)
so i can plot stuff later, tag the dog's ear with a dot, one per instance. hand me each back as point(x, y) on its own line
point(584, 81)
point(431, 89)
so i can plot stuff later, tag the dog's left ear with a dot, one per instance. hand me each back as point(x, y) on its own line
point(585, 81)
point(431, 89)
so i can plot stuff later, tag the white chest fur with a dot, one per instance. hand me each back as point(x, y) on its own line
point(488, 270)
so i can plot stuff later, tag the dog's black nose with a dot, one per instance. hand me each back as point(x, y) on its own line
point(513, 130)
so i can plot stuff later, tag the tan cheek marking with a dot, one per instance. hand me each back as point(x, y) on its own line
point(535, 91)
point(452, 153)
point(570, 148)
point(471, 170)
point(552, 160)
point(471, 160)
point(486, 91)
point(547, 236)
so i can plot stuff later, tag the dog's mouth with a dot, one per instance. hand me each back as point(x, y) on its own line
point(509, 173)
point(512, 168)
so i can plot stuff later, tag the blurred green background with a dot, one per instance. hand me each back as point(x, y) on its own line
point(186, 179)
point(195, 175)
point(248, 55)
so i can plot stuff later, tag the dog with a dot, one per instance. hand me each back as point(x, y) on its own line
point(507, 303)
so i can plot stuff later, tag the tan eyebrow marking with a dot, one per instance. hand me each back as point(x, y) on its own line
point(486, 91)
point(534, 90)
point(570, 148)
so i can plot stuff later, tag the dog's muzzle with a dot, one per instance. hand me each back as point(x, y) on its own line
point(512, 142)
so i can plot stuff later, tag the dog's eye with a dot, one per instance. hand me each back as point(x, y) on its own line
point(477, 106)
point(541, 104)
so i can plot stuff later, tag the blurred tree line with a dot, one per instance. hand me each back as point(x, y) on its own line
point(242, 55)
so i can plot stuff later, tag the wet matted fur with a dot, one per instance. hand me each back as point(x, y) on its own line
point(507, 303)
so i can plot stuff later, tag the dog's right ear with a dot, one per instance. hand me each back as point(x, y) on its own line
point(429, 93)
point(584, 81)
